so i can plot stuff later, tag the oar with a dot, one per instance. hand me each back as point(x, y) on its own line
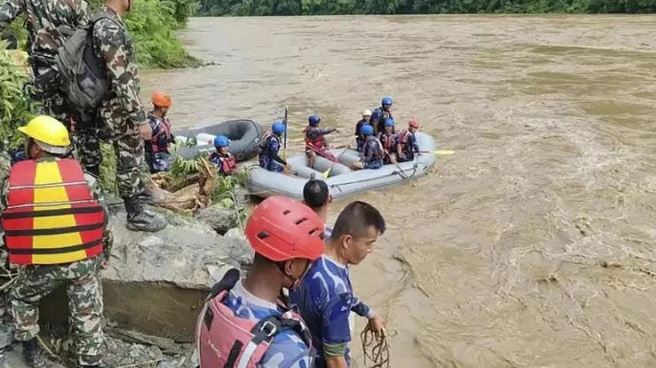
point(440, 152)
point(284, 145)
point(327, 172)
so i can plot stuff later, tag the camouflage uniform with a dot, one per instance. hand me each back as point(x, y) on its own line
point(83, 288)
point(47, 23)
point(122, 112)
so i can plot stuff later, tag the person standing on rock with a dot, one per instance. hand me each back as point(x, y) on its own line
point(325, 297)
point(244, 323)
point(57, 233)
point(122, 112)
point(158, 156)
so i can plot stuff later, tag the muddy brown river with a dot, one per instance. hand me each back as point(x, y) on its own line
point(531, 246)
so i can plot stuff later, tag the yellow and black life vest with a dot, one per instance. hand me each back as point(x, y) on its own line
point(51, 215)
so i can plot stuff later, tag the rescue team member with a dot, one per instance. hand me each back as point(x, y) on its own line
point(315, 141)
point(57, 233)
point(158, 156)
point(359, 139)
point(388, 139)
point(224, 161)
point(407, 145)
point(269, 148)
point(244, 323)
point(372, 153)
point(386, 113)
point(325, 297)
point(317, 196)
point(375, 120)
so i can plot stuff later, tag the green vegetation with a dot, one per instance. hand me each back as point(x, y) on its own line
point(316, 7)
point(16, 107)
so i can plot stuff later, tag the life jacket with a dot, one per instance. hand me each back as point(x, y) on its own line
point(226, 164)
point(226, 340)
point(264, 143)
point(162, 135)
point(388, 141)
point(379, 154)
point(404, 136)
point(51, 215)
point(317, 143)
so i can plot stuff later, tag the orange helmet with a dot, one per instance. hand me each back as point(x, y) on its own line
point(161, 99)
point(413, 123)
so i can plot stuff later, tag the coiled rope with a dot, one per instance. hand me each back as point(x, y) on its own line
point(375, 349)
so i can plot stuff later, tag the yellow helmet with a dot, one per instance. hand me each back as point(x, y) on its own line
point(48, 132)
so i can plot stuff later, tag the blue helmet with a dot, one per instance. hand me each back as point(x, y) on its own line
point(367, 129)
point(221, 141)
point(278, 127)
point(376, 115)
point(314, 120)
point(389, 122)
point(387, 101)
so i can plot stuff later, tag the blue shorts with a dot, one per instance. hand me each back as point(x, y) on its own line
point(373, 164)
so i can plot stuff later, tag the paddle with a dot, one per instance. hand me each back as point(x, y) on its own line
point(327, 172)
point(440, 152)
point(284, 145)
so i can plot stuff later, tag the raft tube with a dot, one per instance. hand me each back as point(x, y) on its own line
point(342, 181)
point(244, 138)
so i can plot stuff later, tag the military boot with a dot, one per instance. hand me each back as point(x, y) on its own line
point(36, 357)
point(141, 220)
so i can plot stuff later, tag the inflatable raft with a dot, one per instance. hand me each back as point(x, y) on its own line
point(342, 181)
point(244, 138)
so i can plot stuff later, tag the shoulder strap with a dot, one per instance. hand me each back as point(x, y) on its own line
point(227, 282)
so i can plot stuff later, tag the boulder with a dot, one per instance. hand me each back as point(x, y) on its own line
point(218, 218)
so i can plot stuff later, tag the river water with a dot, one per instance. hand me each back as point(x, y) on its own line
point(531, 246)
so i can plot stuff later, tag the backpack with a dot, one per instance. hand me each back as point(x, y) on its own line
point(83, 76)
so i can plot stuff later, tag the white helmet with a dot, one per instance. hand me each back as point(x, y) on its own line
point(366, 113)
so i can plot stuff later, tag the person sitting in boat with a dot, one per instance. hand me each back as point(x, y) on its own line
point(222, 158)
point(388, 139)
point(317, 196)
point(385, 112)
point(372, 153)
point(315, 140)
point(270, 146)
point(376, 121)
point(406, 142)
point(156, 149)
point(359, 138)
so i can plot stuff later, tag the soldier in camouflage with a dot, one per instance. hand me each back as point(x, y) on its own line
point(122, 112)
point(37, 280)
point(48, 23)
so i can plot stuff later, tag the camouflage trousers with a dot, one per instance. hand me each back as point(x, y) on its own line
point(84, 302)
point(128, 148)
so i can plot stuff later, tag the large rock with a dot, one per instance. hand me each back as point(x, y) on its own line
point(218, 218)
point(157, 282)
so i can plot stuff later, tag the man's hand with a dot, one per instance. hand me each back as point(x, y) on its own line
point(377, 325)
point(145, 132)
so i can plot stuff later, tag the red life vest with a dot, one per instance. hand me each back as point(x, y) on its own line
point(388, 141)
point(316, 144)
point(228, 163)
point(51, 215)
point(403, 137)
point(227, 340)
point(160, 140)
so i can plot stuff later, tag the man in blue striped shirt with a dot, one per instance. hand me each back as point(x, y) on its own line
point(325, 297)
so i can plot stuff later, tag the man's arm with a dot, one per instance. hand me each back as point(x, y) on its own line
point(122, 72)
point(336, 361)
point(336, 330)
point(9, 11)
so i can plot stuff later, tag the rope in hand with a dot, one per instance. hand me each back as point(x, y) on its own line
point(375, 349)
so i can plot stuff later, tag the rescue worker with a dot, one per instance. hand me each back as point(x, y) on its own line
point(270, 146)
point(48, 23)
point(388, 138)
point(122, 114)
point(157, 152)
point(244, 322)
point(385, 112)
point(315, 140)
point(376, 121)
point(325, 297)
point(57, 233)
point(222, 158)
point(407, 145)
point(372, 153)
point(359, 138)
point(317, 196)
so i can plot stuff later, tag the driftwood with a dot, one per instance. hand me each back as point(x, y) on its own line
point(186, 194)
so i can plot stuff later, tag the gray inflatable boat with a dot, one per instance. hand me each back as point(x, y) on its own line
point(244, 138)
point(342, 181)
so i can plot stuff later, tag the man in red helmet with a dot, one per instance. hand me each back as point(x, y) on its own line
point(406, 142)
point(244, 323)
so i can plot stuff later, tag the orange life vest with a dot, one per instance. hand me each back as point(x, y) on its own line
point(51, 215)
point(389, 142)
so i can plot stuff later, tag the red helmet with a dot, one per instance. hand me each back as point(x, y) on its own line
point(160, 99)
point(413, 123)
point(281, 229)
